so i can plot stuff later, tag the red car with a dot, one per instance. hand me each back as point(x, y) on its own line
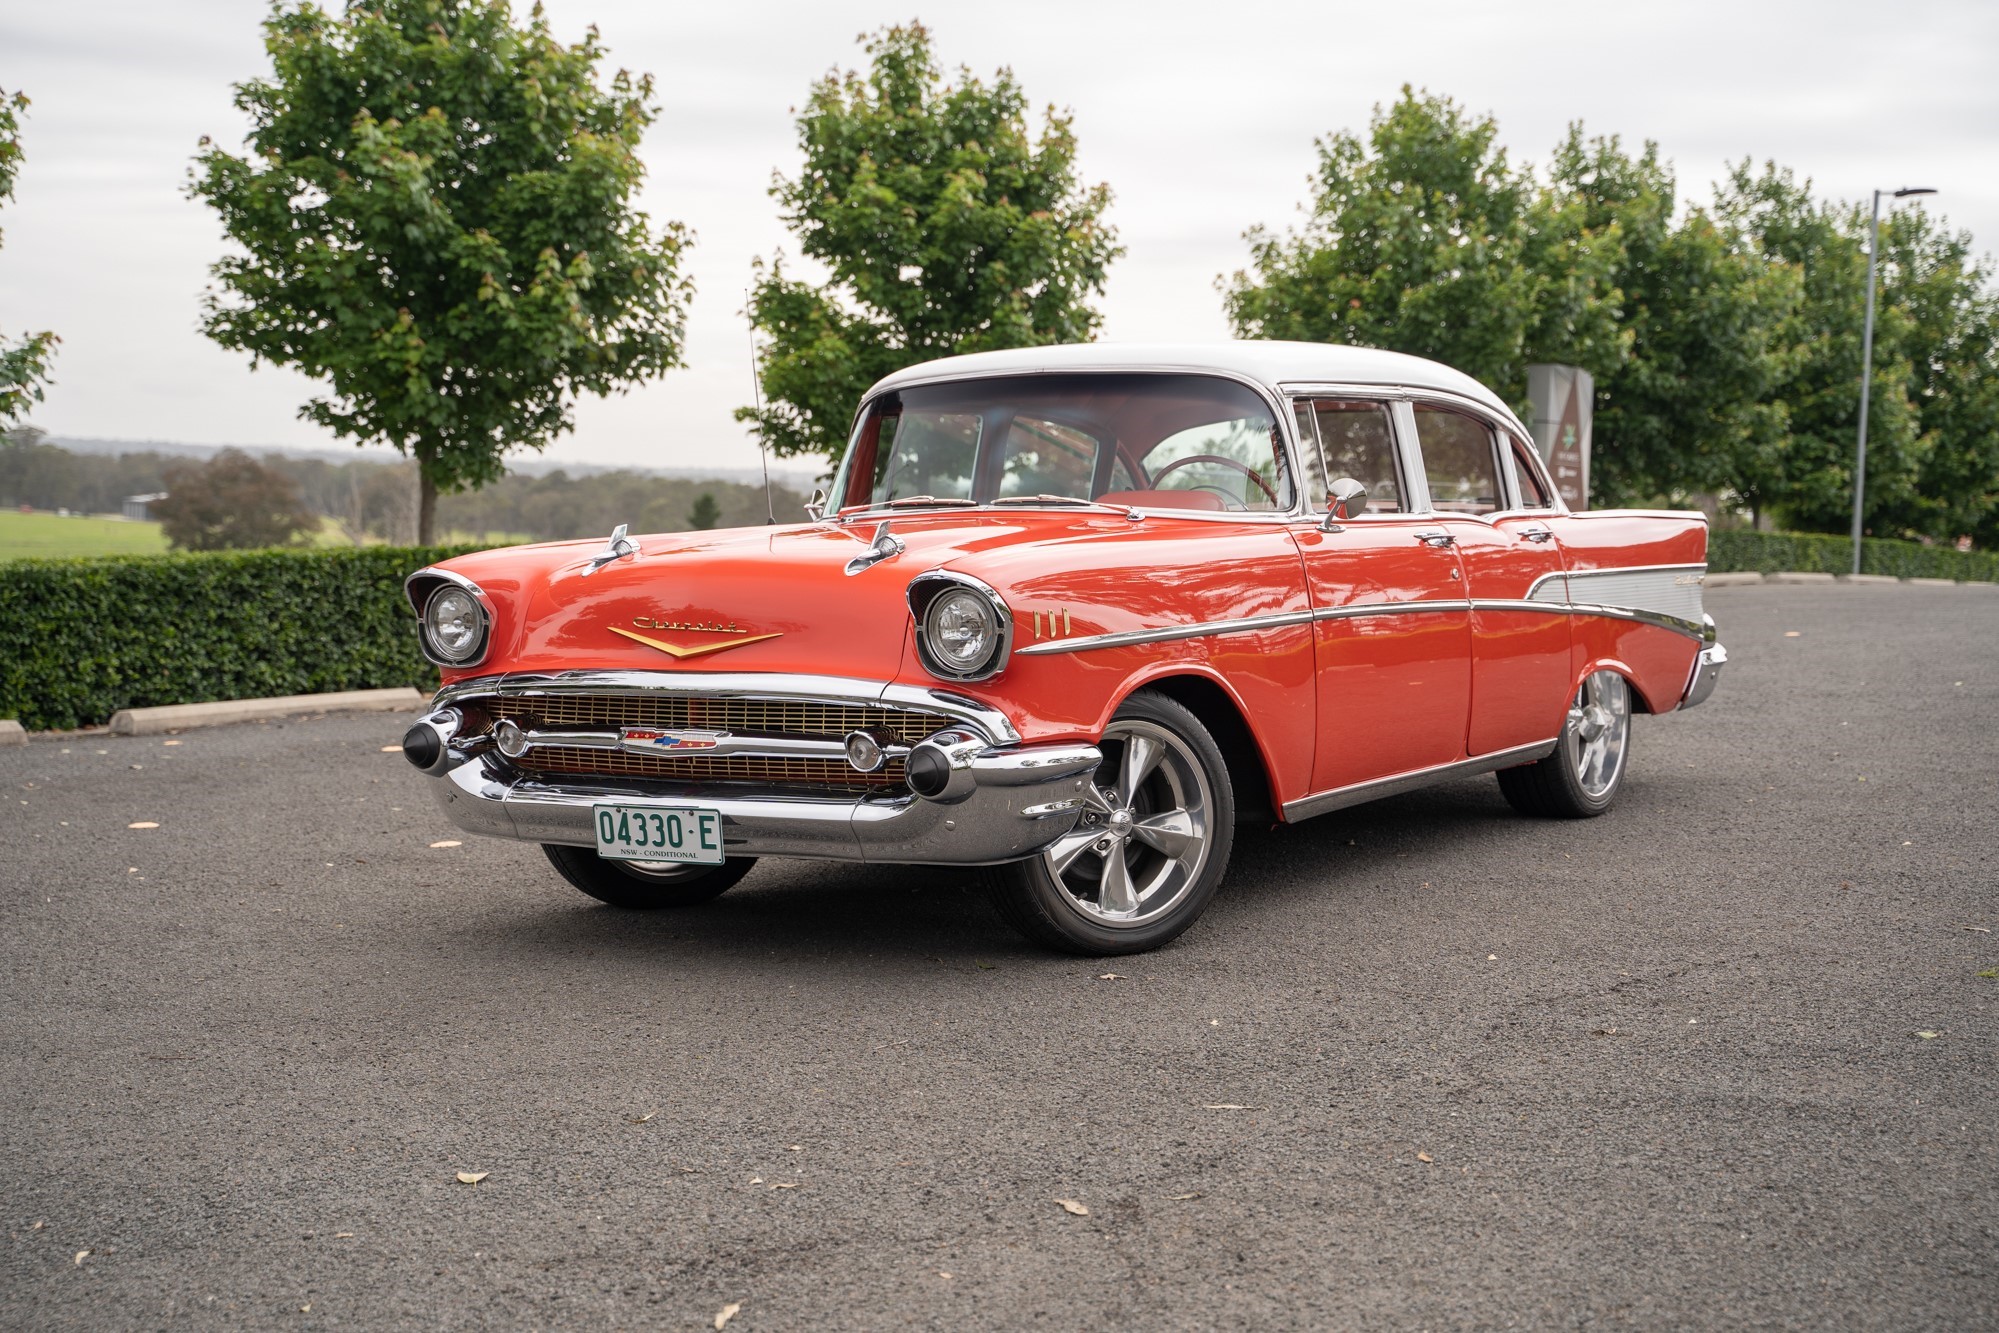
point(1072, 614)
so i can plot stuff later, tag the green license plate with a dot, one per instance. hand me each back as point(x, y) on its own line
point(659, 833)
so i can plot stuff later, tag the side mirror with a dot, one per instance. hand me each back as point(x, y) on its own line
point(1347, 497)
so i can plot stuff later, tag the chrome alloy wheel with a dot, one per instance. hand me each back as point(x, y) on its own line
point(1598, 732)
point(1143, 841)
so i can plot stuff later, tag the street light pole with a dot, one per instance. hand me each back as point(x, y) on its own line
point(1867, 363)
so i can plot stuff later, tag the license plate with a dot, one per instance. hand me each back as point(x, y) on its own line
point(659, 833)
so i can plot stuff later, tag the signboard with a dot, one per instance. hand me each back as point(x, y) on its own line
point(1562, 398)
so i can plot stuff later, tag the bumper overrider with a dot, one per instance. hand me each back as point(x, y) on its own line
point(1707, 666)
point(971, 792)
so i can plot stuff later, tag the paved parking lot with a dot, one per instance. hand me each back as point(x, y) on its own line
point(1724, 1057)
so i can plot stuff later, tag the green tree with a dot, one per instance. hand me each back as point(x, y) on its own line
point(1689, 409)
point(946, 226)
point(705, 514)
point(1423, 239)
point(1808, 478)
point(231, 501)
point(24, 366)
point(434, 218)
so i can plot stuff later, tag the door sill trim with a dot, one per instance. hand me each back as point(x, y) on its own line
point(1361, 792)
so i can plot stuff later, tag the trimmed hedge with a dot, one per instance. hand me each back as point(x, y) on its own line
point(1744, 550)
point(82, 638)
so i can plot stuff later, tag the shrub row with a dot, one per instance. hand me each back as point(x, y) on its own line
point(80, 639)
point(1743, 550)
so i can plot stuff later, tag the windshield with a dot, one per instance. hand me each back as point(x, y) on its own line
point(1157, 441)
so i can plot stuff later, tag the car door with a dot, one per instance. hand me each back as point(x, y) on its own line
point(1497, 517)
point(1392, 627)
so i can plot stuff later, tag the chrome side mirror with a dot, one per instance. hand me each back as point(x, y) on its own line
point(1348, 497)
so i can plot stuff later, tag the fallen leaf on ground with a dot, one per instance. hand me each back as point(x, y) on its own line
point(1072, 1207)
point(448, 842)
point(1928, 1036)
point(942, 1273)
point(343, 1235)
point(983, 965)
point(640, 1119)
point(726, 1313)
point(177, 743)
point(1111, 976)
point(1424, 1157)
point(1990, 973)
point(1182, 1198)
point(143, 823)
point(785, 1185)
point(38, 1226)
point(1604, 1032)
point(1792, 633)
point(1231, 1106)
point(472, 1177)
point(1983, 930)
point(794, 1147)
point(756, 1180)
point(386, 749)
point(81, 1255)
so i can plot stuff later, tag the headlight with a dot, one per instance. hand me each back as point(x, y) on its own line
point(963, 629)
point(454, 624)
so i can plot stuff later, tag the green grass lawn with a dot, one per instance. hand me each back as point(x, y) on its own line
point(42, 533)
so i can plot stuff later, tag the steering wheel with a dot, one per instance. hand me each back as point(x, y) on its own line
point(1243, 468)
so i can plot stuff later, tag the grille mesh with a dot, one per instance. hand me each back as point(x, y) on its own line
point(786, 717)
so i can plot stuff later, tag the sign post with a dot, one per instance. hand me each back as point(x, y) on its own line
point(1563, 398)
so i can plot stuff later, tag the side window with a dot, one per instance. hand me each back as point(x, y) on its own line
point(1357, 439)
point(1533, 492)
point(1459, 460)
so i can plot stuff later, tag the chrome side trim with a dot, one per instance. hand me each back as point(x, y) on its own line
point(1198, 630)
point(1361, 792)
point(775, 687)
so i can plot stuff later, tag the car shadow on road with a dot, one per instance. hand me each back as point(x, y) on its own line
point(786, 911)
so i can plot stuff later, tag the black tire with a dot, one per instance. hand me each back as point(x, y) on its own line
point(1035, 901)
point(622, 884)
point(1556, 787)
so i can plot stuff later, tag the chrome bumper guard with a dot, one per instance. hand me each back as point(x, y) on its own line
point(1014, 803)
point(1707, 667)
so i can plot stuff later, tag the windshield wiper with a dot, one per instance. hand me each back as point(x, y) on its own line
point(1042, 500)
point(905, 500)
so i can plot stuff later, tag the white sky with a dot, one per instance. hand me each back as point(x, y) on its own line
point(1201, 118)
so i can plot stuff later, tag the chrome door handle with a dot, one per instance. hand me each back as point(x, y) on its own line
point(1436, 539)
point(1537, 534)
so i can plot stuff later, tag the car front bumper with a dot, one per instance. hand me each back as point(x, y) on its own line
point(1005, 804)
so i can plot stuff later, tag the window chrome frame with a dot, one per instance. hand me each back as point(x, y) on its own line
point(1391, 402)
point(1291, 455)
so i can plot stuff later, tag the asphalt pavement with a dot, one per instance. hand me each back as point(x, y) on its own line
point(1724, 1057)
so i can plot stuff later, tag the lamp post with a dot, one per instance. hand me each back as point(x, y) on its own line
point(1867, 361)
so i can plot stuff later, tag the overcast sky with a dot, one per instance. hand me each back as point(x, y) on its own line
point(1200, 117)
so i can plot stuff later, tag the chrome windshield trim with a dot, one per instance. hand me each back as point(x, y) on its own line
point(774, 687)
point(1338, 798)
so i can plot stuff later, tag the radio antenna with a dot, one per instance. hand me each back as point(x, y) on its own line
point(757, 383)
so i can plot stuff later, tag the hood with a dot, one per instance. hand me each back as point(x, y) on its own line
point(768, 599)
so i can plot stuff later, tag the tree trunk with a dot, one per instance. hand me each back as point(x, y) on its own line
point(426, 507)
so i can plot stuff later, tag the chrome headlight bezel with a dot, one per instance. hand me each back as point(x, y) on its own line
point(426, 590)
point(926, 591)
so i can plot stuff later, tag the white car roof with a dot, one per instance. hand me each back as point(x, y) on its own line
point(1276, 365)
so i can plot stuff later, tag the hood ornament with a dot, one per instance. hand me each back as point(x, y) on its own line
point(620, 546)
point(884, 545)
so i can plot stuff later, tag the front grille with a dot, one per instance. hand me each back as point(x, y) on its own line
point(783, 717)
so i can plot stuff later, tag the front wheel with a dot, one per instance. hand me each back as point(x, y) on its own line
point(645, 885)
point(1582, 777)
point(1150, 851)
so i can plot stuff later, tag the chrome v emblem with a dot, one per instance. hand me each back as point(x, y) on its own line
point(674, 650)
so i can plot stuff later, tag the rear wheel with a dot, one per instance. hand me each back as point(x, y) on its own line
point(1152, 847)
point(644, 885)
point(1586, 771)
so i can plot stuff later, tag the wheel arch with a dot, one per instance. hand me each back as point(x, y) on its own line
point(1640, 703)
point(1222, 714)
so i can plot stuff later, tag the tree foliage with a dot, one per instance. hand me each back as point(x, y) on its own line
point(1725, 339)
point(24, 365)
point(434, 218)
point(1424, 239)
point(231, 502)
point(945, 225)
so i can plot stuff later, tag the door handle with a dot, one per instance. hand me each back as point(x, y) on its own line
point(1436, 539)
point(1537, 534)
